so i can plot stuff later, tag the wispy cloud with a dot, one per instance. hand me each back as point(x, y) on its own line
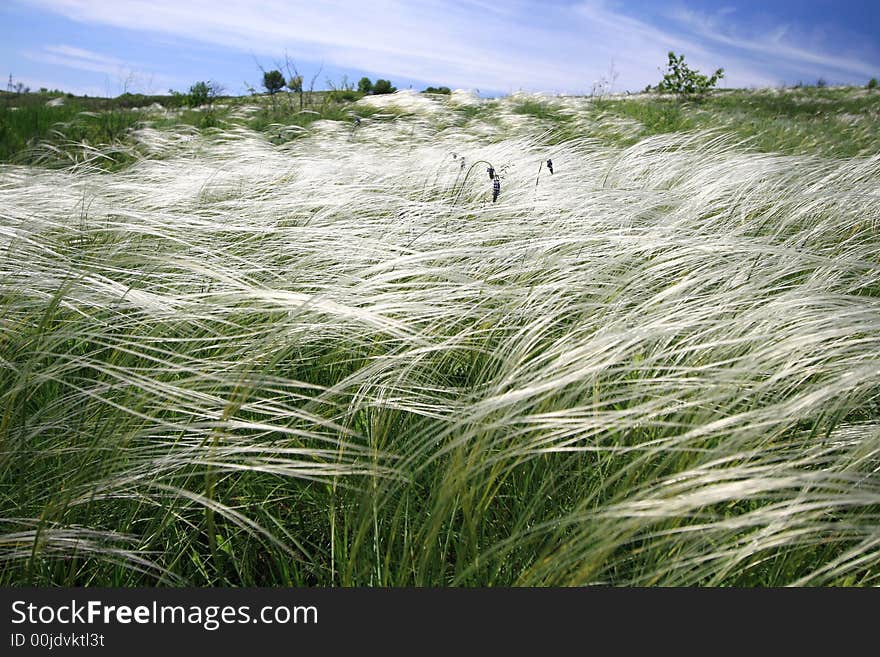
point(121, 74)
point(472, 43)
point(783, 43)
point(83, 60)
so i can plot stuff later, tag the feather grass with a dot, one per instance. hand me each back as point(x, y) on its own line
point(336, 361)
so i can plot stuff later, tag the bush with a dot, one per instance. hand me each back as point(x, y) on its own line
point(175, 99)
point(383, 87)
point(680, 79)
point(198, 94)
point(365, 85)
point(343, 95)
point(203, 93)
point(872, 83)
point(437, 90)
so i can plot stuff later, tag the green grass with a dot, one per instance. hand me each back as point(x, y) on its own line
point(23, 127)
point(831, 122)
point(540, 110)
point(657, 116)
point(33, 132)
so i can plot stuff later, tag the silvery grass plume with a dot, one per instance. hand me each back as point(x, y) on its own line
point(337, 361)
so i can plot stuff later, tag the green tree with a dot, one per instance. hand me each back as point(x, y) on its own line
point(365, 85)
point(682, 80)
point(383, 87)
point(295, 84)
point(274, 82)
point(872, 83)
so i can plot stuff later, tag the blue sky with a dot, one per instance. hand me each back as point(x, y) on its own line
point(103, 47)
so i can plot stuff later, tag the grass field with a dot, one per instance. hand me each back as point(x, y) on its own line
point(294, 349)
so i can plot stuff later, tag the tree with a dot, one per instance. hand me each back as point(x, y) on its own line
point(296, 79)
point(682, 80)
point(383, 87)
point(295, 84)
point(872, 83)
point(437, 90)
point(365, 85)
point(274, 82)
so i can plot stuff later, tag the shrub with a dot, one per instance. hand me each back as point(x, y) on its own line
point(365, 85)
point(872, 83)
point(203, 93)
point(383, 87)
point(175, 99)
point(342, 95)
point(198, 94)
point(437, 90)
point(682, 80)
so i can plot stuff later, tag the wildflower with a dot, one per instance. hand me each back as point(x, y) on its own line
point(491, 173)
point(496, 188)
point(550, 165)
